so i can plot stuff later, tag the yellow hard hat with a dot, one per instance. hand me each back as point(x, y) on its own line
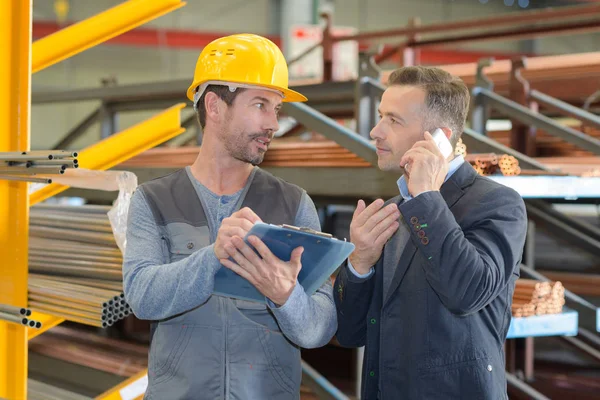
point(243, 60)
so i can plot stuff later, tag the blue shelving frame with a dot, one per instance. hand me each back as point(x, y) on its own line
point(554, 187)
point(563, 324)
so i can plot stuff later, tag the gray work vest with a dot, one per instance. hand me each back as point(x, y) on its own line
point(224, 348)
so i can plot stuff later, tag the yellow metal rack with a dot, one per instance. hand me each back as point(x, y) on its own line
point(22, 58)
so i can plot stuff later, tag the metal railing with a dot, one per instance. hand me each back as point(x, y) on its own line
point(565, 108)
point(486, 98)
point(312, 119)
point(320, 385)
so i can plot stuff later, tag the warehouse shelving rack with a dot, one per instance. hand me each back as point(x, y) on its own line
point(328, 183)
point(358, 98)
point(22, 59)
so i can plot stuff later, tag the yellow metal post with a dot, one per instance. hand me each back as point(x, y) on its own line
point(97, 29)
point(122, 146)
point(15, 100)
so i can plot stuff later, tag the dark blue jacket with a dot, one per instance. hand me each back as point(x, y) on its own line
point(440, 330)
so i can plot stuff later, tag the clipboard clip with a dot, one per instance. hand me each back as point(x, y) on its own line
point(308, 230)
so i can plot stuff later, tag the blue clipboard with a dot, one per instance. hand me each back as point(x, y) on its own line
point(322, 255)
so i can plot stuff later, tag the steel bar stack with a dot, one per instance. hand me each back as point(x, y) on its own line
point(24, 166)
point(18, 315)
point(534, 297)
point(75, 265)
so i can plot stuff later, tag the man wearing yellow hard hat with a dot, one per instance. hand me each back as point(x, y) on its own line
point(186, 227)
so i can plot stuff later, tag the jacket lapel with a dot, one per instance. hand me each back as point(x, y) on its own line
point(452, 190)
point(396, 252)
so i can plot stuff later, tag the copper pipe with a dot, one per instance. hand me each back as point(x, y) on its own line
point(533, 297)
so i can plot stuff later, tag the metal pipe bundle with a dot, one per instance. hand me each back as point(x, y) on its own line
point(18, 315)
point(491, 163)
point(532, 297)
point(24, 165)
point(75, 265)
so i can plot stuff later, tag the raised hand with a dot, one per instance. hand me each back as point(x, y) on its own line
point(370, 229)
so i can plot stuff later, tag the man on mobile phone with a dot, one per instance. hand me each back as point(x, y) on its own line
point(428, 289)
point(185, 226)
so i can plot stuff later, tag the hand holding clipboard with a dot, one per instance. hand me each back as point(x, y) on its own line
point(322, 255)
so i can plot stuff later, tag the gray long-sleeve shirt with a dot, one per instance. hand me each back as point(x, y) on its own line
point(156, 290)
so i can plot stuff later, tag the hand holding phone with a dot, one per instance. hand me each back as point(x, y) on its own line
point(442, 142)
point(426, 170)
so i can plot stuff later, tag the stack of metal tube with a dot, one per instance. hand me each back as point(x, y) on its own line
point(75, 265)
point(18, 315)
point(25, 165)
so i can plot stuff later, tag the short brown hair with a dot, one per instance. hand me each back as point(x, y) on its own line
point(224, 94)
point(447, 97)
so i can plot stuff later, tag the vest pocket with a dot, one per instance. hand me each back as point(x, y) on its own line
point(168, 345)
point(187, 365)
point(263, 363)
point(185, 239)
point(283, 357)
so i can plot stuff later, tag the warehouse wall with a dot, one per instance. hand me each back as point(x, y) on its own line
point(134, 64)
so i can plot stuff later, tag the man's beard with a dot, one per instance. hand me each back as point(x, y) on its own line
point(240, 147)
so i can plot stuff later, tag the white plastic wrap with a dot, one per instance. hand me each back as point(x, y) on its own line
point(124, 181)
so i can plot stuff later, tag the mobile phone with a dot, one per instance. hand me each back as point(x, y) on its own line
point(442, 142)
